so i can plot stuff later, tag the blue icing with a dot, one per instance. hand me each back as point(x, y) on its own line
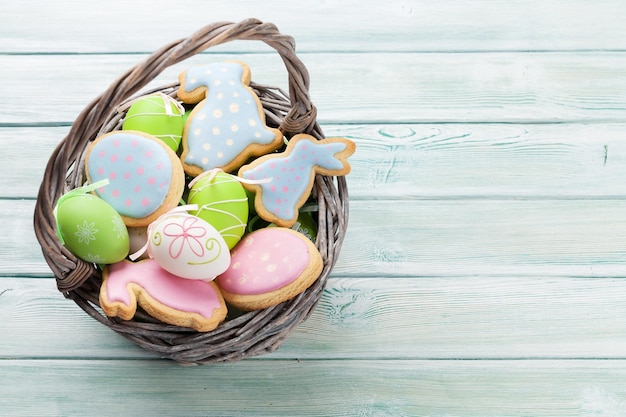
point(291, 174)
point(139, 171)
point(227, 121)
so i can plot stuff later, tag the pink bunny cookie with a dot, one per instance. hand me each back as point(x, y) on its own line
point(292, 174)
point(171, 299)
point(145, 176)
point(228, 125)
point(269, 266)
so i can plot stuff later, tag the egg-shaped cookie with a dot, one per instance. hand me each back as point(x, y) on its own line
point(145, 175)
point(222, 202)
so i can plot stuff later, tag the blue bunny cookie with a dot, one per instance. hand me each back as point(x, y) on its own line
point(227, 126)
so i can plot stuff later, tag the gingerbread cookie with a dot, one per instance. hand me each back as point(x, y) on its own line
point(292, 174)
point(227, 126)
point(269, 266)
point(166, 297)
point(145, 175)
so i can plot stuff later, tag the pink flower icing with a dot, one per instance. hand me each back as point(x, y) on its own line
point(264, 261)
point(194, 296)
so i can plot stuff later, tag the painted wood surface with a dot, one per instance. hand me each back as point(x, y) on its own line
point(483, 269)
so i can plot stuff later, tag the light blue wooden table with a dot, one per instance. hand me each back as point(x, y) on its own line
point(484, 270)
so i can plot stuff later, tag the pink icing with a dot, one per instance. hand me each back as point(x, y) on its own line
point(264, 261)
point(194, 296)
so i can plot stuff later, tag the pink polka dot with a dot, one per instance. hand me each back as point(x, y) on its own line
point(100, 171)
point(128, 202)
point(292, 169)
point(116, 142)
point(127, 175)
point(149, 154)
point(114, 158)
point(285, 189)
point(272, 165)
point(303, 147)
point(101, 190)
point(134, 143)
point(137, 188)
point(145, 202)
point(278, 201)
point(303, 156)
point(129, 158)
point(139, 170)
point(159, 166)
point(101, 154)
point(151, 180)
point(112, 175)
point(276, 211)
point(115, 193)
point(273, 188)
point(297, 178)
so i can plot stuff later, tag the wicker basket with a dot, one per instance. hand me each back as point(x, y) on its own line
point(249, 334)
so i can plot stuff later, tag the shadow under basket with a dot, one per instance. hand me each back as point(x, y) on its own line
point(241, 335)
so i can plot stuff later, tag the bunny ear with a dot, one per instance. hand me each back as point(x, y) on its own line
point(333, 156)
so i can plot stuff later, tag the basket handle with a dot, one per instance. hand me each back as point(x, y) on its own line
point(61, 172)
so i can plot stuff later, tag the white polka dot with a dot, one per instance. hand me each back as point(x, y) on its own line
point(201, 116)
point(205, 160)
point(265, 256)
point(252, 122)
point(235, 94)
point(271, 268)
point(216, 131)
point(206, 146)
point(217, 113)
point(257, 134)
point(208, 72)
point(234, 128)
point(286, 259)
point(230, 142)
point(220, 95)
point(197, 132)
point(234, 107)
point(248, 241)
point(231, 82)
point(236, 265)
point(193, 80)
point(217, 82)
point(220, 154)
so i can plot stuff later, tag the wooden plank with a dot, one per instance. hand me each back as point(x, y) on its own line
point(361, 88)
point(314, 388)
point(403, 318)
point(420, 161)
point(432, 238)
point(346, 25)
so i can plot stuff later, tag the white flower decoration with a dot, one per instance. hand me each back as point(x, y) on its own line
point(86, 232)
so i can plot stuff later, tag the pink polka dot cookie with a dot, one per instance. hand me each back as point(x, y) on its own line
point(269, 266)
point(283, 181)
point(227, 126)
point(145, 176)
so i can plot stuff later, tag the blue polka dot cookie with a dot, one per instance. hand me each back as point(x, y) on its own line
point(145, 176)
point(282, 182)
point(227, 126)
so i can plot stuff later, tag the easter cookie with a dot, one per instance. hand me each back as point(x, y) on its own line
point(90, 228)
point(227, 126)
point(158, 115)
point(269, 266)
point(187, 246)
point(171, 299)
point(222, 201)
point(145, 175)
point(292, 174)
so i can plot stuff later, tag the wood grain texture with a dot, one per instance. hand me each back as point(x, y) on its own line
point(421, 161)
point(316, 388)
point(432, 238)
point(437, 318)
point(355, 88)
point(349, 25)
